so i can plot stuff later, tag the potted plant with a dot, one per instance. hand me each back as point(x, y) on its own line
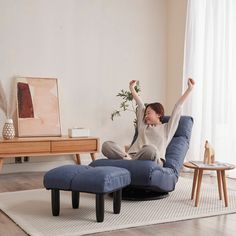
point(127, 104)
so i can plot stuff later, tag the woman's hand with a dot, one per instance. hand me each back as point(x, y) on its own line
point(191, 83)
point(132, 83)
point(182, 99)
point(135, 95)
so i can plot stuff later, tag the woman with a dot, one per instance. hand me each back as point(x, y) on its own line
point(153, 135)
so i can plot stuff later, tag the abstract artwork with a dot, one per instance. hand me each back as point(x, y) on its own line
point(38, 111)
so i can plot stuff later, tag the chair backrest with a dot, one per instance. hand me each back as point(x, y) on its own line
point(184, 127)
point(178, 147)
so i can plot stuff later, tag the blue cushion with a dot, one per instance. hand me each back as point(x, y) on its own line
point(101, 180)
point(175, 153)
point(140, 170)
point(61, 177)
point(87, 179)
point(144, 173)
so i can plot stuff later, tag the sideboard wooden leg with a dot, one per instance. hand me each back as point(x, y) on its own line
point(93, 156)
point(78, 159)
point(1, 164)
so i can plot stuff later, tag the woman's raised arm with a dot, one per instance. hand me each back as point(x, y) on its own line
point(176, 113)
point(187, 91)
point(136, 97)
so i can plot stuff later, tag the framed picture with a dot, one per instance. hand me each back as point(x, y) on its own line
point(38, 111)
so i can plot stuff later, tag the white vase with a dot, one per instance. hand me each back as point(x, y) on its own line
point(8, 131)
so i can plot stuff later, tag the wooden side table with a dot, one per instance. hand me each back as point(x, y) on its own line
point(220, 169)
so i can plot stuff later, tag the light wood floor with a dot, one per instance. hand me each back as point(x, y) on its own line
point(218, 225)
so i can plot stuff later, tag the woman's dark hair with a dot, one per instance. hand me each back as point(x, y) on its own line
point(158, 108)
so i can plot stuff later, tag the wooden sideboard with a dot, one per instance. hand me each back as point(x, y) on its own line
point(47, 146)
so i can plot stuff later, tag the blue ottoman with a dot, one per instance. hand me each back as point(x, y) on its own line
point(79, 178)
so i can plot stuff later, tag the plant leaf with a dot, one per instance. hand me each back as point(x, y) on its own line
point(127, 99)
point(115, 113)
point(124, 105)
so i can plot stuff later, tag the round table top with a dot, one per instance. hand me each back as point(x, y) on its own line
point(215, 166)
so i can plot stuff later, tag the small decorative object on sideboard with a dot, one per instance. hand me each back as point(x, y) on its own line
point(8, 131)
point(78, 132)
point(209, 154)
point(7, 107)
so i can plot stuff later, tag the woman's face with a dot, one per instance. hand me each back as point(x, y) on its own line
point(151, 117)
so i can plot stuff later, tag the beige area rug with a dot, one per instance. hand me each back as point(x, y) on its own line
point(31, 210)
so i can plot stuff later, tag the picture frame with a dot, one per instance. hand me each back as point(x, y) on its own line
point(38, 111)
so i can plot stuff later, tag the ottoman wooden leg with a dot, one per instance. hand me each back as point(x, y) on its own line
point(100, 207)
point(55, 200)
point(117, 195)
point(75, 199)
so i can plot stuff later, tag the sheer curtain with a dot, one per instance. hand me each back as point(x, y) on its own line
point(210, 58)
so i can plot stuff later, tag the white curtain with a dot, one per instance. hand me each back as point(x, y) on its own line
point(210, 59)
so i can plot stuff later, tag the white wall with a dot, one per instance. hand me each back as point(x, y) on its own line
point(177, 10)
point(94, 48)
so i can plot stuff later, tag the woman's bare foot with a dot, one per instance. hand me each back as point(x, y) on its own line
point(127, 157)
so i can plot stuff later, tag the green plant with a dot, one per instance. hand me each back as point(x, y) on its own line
point(127, 103)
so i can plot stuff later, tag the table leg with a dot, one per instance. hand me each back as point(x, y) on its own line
point(1, 164)
point(198, 187)
point(194, 183)
point(93, 156)
point(219, 183)
point(224, 187)
point(78, 159)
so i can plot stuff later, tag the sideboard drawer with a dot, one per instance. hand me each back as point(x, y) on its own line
point(24, 147)
point(75, 146)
